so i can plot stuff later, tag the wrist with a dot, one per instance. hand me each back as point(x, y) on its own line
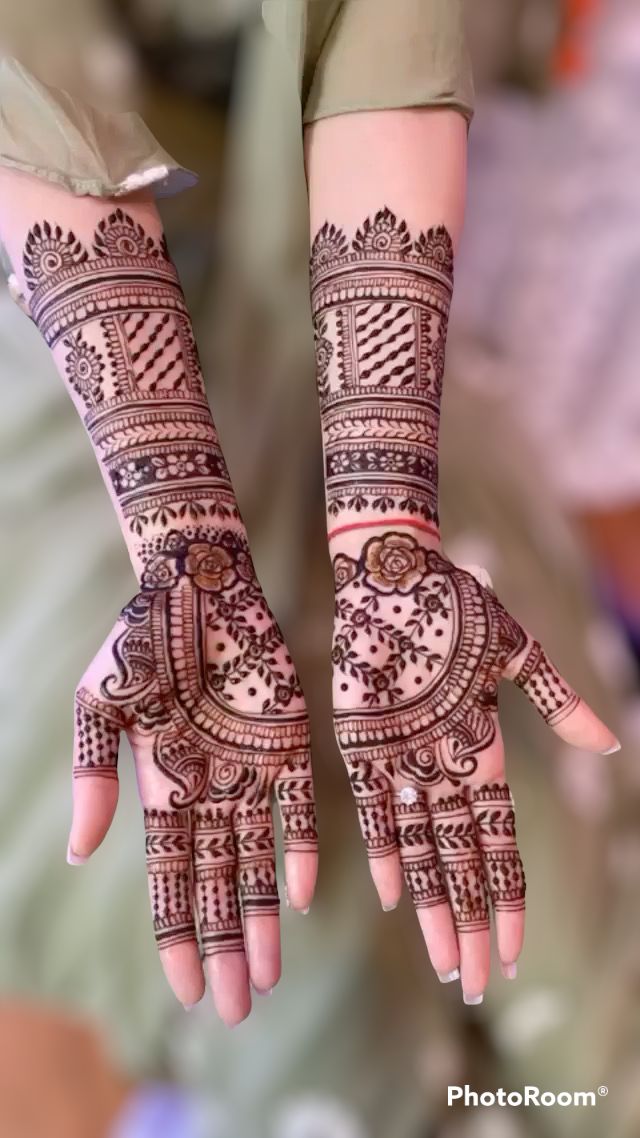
point(366, 539)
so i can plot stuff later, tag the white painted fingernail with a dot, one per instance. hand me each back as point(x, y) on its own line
point(389, 908)
point(612, 750)
point(509, 971)
point(472, 1000)
point(447, 977)
point(74, 858)
point(304, 912)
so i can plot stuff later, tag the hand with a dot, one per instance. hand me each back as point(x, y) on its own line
point(197, 674)
point(419, 650)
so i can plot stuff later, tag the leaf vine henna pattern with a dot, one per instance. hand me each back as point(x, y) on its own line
point(381, 308)
point(202, 680)
point(116, 313)
point(419, 650)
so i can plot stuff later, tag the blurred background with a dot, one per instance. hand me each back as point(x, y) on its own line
point(540, 483)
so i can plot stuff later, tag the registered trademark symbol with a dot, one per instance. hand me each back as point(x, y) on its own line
point(603, 1092)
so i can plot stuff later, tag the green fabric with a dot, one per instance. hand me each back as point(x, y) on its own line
point(52, 134)
point(352, 55)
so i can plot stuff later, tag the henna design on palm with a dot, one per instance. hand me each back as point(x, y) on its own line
point(202, 682)
point(419, 650)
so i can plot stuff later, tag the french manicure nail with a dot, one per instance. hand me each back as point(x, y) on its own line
point(188, 1007)
point(509, 971)
point(263, 991)
point(472, 1000)
point(74, 858)
point(389, 908)
point(447, 977)
point(612, 750)
point(304, 912)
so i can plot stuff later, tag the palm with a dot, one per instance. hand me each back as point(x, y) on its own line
point(419, 650)
point(198, 674)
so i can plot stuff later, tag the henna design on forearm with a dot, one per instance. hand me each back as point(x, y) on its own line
point(117, 314)
point(381, 307)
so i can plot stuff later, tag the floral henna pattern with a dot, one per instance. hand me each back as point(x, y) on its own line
point(200, 672)
point(381, 308)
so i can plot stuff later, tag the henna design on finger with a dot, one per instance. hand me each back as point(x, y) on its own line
point(98, 726)
point(549, 693)
point(421, 864)
point(168, 852)
point(494, 819)
point(461, 859)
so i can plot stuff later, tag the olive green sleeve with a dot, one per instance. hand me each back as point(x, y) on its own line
point(58, 136)
point(376, 54)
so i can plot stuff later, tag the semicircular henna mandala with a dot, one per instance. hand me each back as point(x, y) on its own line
point(202, 668)
point(419, 650)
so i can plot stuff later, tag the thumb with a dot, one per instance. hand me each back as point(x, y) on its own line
point(559, 705)
point(95, 773)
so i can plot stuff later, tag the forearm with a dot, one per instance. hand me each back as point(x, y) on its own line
point(100, 286)
point(386, 196)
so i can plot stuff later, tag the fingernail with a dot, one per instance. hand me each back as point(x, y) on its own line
point(286, 897)
point(304, 912)
point(612, 750)
point(472, 1000)
point(447, 977)
point(263, 991)
point(188, 1007)
point(509, 971)
point(74, 858)
point(389, 908)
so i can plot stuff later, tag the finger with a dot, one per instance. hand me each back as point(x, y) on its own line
point(218, 911)
point(377, 823)
point(494, 818)
point(169, 861)
point(425, 881)
point(461, 859)
point(253, 829)
point(559, 705)
point(294, 791)
point(97, 728)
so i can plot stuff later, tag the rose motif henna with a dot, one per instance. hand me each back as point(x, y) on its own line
point(394, 563)
point(210, 566)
